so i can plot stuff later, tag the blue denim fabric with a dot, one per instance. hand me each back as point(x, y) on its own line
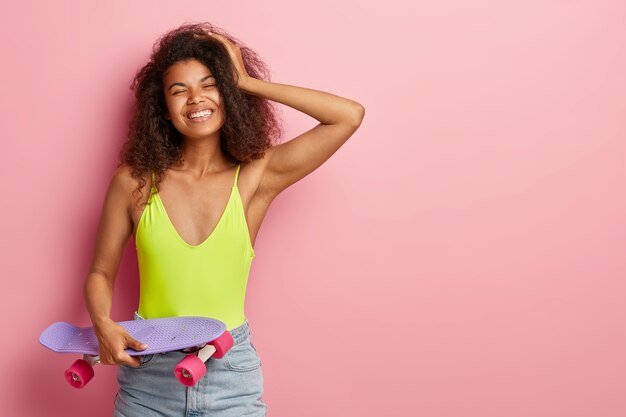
point(231, 387)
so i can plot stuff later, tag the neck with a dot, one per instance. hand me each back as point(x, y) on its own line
point(203, 155)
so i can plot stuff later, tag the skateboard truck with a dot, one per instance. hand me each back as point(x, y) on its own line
point(91, 360)
point(193, 367)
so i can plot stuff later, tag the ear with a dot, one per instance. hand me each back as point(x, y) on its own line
point(167, 116)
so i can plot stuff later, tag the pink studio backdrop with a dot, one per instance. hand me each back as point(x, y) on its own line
point(461, 256)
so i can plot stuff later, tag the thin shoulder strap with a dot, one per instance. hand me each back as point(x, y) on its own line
point(153, 186)
point(236, 175)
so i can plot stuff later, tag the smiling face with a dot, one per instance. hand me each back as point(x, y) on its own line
point(193, 101)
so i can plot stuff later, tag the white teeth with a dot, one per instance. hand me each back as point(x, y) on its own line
point(200, 114)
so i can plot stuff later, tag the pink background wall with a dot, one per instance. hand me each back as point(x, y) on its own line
point(461, 256)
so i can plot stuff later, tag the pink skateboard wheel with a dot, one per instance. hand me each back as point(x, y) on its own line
point(190, 370)
point(79, 374)
point(222, 345)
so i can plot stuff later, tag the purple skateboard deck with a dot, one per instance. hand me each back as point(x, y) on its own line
point(161, 335)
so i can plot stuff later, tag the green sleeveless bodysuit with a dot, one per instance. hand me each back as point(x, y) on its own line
point(179, 279)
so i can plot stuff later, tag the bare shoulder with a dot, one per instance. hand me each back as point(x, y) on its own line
point(262, 175)
point(122, 181)
point(122, 177)
point(124, 185)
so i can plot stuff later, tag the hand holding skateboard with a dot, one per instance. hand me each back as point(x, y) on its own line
point(113, 340)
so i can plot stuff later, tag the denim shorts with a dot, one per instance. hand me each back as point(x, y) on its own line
point(232, 385)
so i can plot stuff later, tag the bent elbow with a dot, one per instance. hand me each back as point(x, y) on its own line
point(359, 113)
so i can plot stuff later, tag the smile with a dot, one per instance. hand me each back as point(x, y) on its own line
point(200, 116)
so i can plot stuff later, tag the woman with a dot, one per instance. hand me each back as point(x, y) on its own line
point(196, 177)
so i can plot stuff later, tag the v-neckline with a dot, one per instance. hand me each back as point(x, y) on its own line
point(169, 220)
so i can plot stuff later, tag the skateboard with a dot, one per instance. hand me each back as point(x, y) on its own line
point(161, 335)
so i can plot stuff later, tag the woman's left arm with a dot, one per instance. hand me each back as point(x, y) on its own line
point(292, 160)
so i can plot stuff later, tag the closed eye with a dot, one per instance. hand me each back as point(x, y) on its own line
point(204, 86)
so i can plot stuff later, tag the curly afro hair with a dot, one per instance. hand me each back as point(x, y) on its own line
point(153, 144)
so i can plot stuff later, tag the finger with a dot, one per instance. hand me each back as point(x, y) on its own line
point(135, 344)
point(220, 37)
point(132, 361)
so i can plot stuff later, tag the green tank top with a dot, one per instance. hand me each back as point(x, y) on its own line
point(179, 279)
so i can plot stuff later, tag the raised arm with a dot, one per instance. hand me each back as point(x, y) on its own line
point(293, 160)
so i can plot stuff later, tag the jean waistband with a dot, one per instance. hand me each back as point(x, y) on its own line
point(239, 333)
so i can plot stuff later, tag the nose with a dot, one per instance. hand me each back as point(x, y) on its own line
point(195, 97)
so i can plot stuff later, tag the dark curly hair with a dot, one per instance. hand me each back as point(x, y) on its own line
point(250, 123)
